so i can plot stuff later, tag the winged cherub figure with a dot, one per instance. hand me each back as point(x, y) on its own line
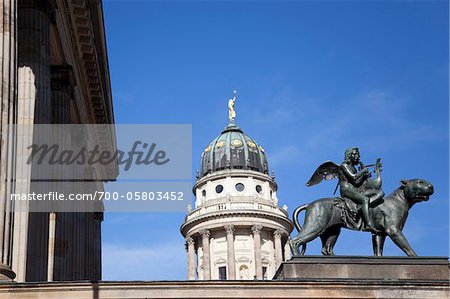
point(354, 184)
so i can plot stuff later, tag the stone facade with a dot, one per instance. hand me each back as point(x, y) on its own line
point(54, 70)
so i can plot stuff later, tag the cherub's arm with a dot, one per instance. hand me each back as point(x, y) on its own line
point(355, 178)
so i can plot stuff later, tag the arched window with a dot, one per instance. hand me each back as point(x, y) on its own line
point(243, 272)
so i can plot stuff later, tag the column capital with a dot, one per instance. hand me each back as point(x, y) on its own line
point(229, 229)
point(45, 6)
point(278, 233)
point(190, 241)
point(205, 233)
point(256, 229)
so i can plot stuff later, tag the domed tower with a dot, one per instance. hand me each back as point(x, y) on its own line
point(236, 230)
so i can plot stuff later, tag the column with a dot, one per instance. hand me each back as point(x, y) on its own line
point(206, 258)
point(231, 259)
point(8, 73)
point(278, 250)
point(61, 86)
point(287, 249)
point(34, 100)
point(61, 93)
point(51, 246)
point(256, 230)
point(34, 62)
point(190, 244)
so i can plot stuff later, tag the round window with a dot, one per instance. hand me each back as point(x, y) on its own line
point(258, 188)
point(219, 188)
point(239, 187)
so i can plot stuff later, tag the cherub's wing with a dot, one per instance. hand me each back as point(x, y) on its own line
point(328, 171)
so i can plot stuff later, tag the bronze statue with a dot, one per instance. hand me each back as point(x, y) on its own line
point(354, 185)
point(361, 207)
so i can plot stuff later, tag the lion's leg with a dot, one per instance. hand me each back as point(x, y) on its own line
point(400, 240)
point(378, 244)
point(329, 238)
point(305, 236)
point(317, 219)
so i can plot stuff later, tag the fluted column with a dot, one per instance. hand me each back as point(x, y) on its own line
point(61, 95)
point(256, 230)
point(8, 73)
point(191, 258)
point(51, 246)
point(287, 250)
point(206, 258)
point(34, 62)
point(34, 100)
point(278, 249)
point(231, 260)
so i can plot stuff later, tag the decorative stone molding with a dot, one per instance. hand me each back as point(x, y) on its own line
point(82, 32)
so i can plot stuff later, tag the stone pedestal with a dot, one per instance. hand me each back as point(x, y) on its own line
point(344, 268)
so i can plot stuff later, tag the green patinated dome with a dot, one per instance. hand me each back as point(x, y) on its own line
point(233, 149)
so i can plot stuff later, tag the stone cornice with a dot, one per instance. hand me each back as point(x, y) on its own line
point(81, 27)
point(234, 173)
point(236, 204)
point(91, 46)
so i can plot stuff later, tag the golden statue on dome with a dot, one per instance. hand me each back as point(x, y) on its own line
point(231, 111)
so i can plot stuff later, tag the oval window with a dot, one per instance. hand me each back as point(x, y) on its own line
point(258, 188)
point(219, 188)
point(239, 187)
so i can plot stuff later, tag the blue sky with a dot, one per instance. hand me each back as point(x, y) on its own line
point(313, 78)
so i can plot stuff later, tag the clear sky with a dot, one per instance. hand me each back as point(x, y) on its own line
point(313, 78)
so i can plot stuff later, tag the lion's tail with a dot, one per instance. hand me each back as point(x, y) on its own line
point(297, 224)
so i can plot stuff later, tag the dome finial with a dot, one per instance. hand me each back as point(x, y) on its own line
point(231, 111)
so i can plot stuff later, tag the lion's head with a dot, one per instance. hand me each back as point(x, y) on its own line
point(417, 190)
